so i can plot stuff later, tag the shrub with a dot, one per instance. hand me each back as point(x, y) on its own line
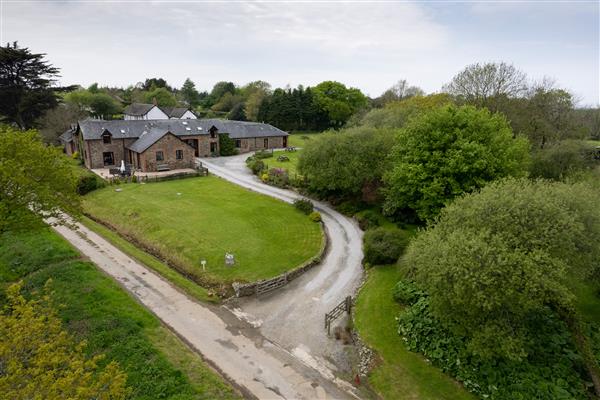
point(304, 205)
point(75, 155)
point(407, 293)
point(349, 207)
point(226, 145)
point(278, 177)
point(315, 216)
point(384, 245)
point(88, 183)
point(263, 154)
point(559, 160)
point(265, 177)
point(256, 166)
point(367, 220)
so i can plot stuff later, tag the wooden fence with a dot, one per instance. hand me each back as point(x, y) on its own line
point(345, 305)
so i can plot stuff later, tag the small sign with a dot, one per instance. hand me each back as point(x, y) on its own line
point(203, 263)
point(229, 259)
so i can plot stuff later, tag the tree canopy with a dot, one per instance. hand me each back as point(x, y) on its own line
point(447, 152)
point(34, 178)
point(494, 258)
point(26, 81)
point(41, 360)
point(338, 101)
point(162, 96)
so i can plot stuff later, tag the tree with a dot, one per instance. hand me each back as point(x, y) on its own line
point(190, 94)
point(447, 152)
point(35, 180)
point(57, 120)
point(226, 145)
point(338, 101)
point(563, 159)
point(348, 164)
point(254, 93)
point(104, 106)
point(495, 258)
point(26, 81)
point(483, 85)
point(41, 360)
point(162, 97)
point(400, 91)
point(155, 83)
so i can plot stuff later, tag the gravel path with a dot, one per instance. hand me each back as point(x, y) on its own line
point(260, 368)
point(293, 316)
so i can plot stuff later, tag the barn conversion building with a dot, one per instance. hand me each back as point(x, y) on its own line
point(153, 145)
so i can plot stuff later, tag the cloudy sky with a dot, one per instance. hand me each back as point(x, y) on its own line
point(366, 44)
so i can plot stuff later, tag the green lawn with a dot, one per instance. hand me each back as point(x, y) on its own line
point(94, 308)
point(290, 166)
point(400, 374)
point(188, 220)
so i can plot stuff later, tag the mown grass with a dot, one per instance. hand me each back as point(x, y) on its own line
point(94, 308)
point(399, 373)
point(192, 219)
point(290, 166)
point(184, 284)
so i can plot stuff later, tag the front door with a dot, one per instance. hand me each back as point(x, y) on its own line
point(266, 143)
point(285, 141)
point(213, 147)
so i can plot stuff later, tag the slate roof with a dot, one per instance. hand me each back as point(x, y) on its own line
point(138, 109)
point(130, 129)
point(67, 136)
point(147, 139)
point(174, 112)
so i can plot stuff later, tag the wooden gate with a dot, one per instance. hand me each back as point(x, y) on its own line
point(345, 305)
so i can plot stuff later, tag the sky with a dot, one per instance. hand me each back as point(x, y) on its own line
point(365, 44)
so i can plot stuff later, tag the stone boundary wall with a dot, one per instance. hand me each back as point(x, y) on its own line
point(267, 285)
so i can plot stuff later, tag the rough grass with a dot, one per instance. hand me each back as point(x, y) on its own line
point(95, 308)
point(299, 139)
point(399, 374)
point(207, 219)
point(184, 284)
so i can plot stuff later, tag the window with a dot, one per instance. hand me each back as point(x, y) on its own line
point(238, 143)
point(179, 154)
point(106, 138)
point(109, 158)
point(159, 156)
point(213, 132)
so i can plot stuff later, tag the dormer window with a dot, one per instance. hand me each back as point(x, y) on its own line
point(213, 132)
point(106, 138)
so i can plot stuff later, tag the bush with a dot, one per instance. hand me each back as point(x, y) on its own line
point(407, 293)
point(349, 207)
point(315, 216)
point(304, 205)
point(384, 245)
point(88, 183)
point(256, 166)
point(562, 159)
point(367, 220)
point(226, 145)
point(75, 155)
point(278, 177)
point(263, 154)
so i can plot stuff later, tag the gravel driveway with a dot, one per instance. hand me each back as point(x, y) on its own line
point(293, 316)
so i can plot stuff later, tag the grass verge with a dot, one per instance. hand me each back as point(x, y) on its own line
point(399, 373)
point(187, 286)
point(94, 308)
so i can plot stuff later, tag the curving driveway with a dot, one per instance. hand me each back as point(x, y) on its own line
point(293, 316)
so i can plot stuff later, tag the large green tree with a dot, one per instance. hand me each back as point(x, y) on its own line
point(190, 94)
point(496, 257)
point(162, 96)
point(26, 80)
point(348, 164)
point(35, 180)
point(338, 101)
point(449, 151)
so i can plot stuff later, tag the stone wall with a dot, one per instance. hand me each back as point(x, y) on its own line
point(204, 142)
point(168, 144)
point(96, 148)
point(258, 143)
